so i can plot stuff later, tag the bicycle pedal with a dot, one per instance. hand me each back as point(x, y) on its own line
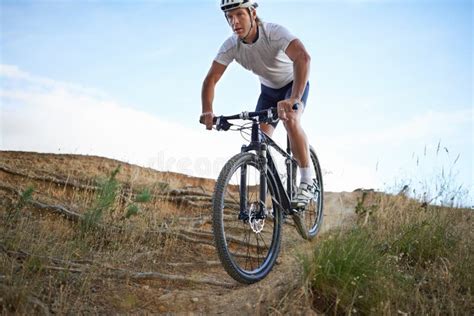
point(298, 219)
point(296, 210)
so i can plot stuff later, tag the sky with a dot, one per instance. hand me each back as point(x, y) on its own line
point(391, 98)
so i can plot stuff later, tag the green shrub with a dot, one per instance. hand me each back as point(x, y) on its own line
point(347, 273)
point(132, 210)
point(144, 196)
point(410, 259)
point(25, 197)
point(104, 201)
point(423, 242)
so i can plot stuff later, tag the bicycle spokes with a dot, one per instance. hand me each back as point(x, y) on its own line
point(250, 227)
point(313, 213)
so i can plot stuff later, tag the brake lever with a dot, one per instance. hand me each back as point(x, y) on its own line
point(222, 124)
point(272, 116)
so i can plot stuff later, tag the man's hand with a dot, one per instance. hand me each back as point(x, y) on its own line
point(206, 118)
point(285, 109)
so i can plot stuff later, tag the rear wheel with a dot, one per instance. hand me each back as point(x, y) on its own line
point(247, 233)
point(312, 217)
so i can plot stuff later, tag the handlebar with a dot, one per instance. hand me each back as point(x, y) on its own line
point(267, 116)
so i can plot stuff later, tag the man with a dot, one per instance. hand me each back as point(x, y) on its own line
point(282, 64)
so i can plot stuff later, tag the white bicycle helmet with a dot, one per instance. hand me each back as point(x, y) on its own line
point(227, 5)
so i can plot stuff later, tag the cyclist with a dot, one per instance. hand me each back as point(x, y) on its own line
point(282, 64)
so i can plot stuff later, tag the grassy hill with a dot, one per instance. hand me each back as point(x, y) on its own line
point(84, 234)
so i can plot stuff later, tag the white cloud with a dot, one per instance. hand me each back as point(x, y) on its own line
point(10, 71)
point(16, 76)
point(427, 124)
point(431, 125)
point(49, 116)
point(45, 115)
point(39, 114)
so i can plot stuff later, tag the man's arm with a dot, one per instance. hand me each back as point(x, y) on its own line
point(207, 93)
point(301, 64)
point(212, 77)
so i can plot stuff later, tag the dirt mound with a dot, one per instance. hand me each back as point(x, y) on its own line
point(160, 261)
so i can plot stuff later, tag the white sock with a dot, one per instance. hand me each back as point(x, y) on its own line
point(306, 175)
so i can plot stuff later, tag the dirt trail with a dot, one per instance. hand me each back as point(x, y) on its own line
point(184, 274)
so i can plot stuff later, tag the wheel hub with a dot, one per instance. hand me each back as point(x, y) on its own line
point(256, 224)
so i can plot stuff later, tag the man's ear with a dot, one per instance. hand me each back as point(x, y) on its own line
point(254, 14)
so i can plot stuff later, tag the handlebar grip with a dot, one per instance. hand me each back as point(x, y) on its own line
point(214, 120)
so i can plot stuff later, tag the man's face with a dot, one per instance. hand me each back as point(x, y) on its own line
point(239, 20)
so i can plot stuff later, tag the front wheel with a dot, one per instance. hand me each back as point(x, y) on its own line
point(246, 226)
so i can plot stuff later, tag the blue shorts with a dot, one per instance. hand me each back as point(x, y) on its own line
point(270, 97)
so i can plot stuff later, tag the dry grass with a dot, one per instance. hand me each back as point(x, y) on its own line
point(49, 263)
point(406, 254)
point(422, 256)
point(46, 260)
point(402, 257)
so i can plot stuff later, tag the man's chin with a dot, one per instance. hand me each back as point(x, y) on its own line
point(240, 34)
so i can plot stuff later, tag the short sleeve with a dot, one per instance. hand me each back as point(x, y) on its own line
point(281, 36)
point(226, 53)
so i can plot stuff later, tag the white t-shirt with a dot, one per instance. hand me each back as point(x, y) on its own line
point(266, 57)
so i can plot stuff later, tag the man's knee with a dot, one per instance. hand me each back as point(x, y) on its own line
point(292, 124)
point(267, 129)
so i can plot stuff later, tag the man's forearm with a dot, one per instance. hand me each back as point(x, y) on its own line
point(207, 95)
point(301, 73)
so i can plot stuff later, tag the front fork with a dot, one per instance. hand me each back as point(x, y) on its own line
point(262, 163)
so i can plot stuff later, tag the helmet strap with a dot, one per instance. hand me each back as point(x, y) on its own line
point(251, 26)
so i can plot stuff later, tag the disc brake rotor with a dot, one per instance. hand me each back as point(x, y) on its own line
point(255, 224)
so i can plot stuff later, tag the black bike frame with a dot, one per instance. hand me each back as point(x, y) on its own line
point(260, 142)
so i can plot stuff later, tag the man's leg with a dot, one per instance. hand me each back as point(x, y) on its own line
point(300, 149)
point(268, 98)
point(267, 129)
point(298, 139)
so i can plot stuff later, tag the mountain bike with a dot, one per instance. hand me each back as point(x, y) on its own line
point(251, 200)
